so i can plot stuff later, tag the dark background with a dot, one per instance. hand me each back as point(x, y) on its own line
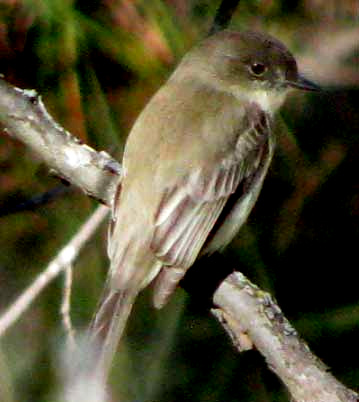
point(96, 63)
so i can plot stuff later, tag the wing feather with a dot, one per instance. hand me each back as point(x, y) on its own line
point(168, 235)
point(191, 237)
point(187, 213)
point(189, 210)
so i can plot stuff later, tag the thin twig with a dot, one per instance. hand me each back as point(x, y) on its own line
point(66, 306)
point(223, 15)
point(65, 257)
point(35, 202)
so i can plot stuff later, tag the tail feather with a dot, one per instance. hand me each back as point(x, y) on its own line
point(108, 326)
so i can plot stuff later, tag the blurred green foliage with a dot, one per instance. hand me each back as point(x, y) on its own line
point(96, 63)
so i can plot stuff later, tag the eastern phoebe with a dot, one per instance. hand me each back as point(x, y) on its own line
point(194, 164)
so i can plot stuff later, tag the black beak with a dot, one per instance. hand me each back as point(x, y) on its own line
point(304, 84)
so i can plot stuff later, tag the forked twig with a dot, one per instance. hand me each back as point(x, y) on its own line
point(65, 257)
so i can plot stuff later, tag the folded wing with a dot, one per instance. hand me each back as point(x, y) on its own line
point(188, 212)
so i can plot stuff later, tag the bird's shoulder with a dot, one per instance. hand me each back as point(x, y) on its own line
point(194, 124)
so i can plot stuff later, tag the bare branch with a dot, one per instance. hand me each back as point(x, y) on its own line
point(245, 311)
point(24, 117)
point(65, 257)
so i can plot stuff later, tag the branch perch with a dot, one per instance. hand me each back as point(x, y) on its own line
point(246, 311)
point(24, 117)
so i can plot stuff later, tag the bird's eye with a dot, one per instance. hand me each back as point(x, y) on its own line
point(258, 69)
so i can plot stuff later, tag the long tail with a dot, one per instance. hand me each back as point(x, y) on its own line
point(108, 326)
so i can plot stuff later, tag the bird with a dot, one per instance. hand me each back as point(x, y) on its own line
point(193, 166)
